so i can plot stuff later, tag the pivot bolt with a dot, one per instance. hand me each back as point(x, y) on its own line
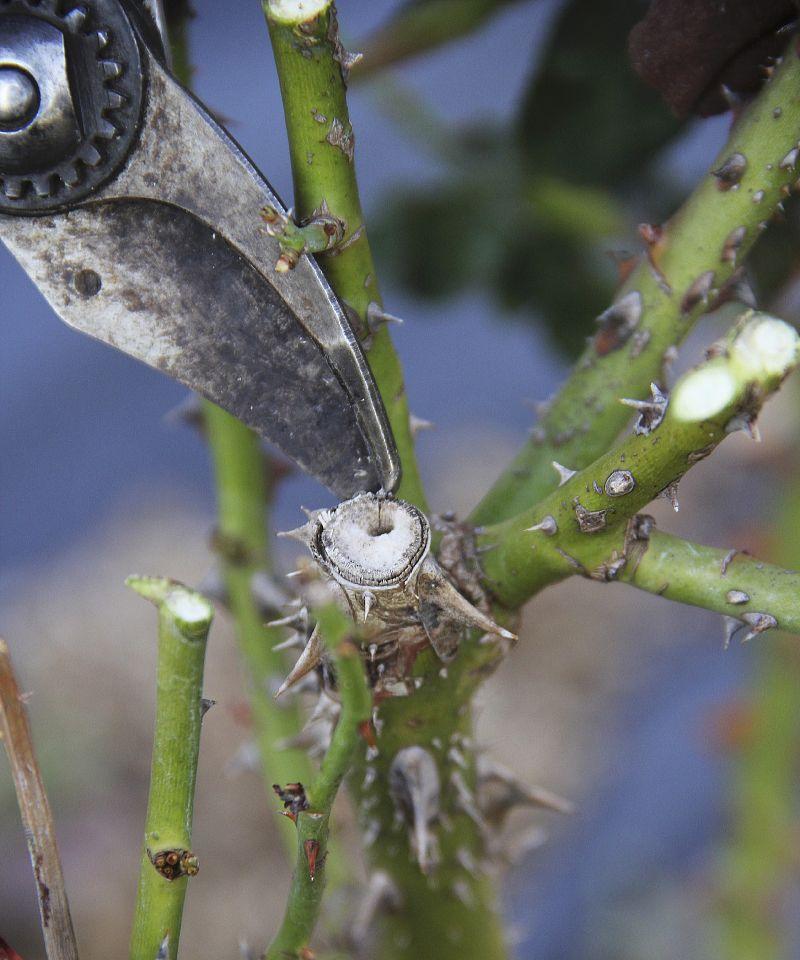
point(19, 98)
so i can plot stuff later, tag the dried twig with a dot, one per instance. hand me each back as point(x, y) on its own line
point(37, 819)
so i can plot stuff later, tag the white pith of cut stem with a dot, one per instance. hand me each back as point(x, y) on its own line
point(766, 346)
point(704, 393)
point(189, 607)
point(296, 11)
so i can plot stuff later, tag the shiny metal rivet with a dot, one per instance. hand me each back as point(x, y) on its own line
point(19, 98)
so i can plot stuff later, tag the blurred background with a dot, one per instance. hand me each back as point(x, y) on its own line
point(503, 175)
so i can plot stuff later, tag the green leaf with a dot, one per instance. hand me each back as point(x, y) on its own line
point(586, 117)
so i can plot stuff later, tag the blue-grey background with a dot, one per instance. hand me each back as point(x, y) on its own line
point(95, 479)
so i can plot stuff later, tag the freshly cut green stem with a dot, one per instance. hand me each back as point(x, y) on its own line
point(583, 526)
point(310, 60)
point(37, 818)
point(184, 619)
point(313, 823)
point(418, 28)
point(695, 254)
point(242, 486)
point(716, 580)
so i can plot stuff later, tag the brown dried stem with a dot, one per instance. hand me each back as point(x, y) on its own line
point(37, 818)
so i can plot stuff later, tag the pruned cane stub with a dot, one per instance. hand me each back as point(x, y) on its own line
point(374, 553)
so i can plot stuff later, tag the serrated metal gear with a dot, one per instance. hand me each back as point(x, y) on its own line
point(91, 70)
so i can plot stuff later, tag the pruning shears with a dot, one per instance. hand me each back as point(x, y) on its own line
point(138, 218)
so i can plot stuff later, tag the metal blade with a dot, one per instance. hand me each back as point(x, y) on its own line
point(170, 263)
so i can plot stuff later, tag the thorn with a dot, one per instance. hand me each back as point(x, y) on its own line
point(618, 323)
point(304, 534)
point(668, 359)
point(789, 162)
point(521, 846)
point(377, 317)
point(726, 561)
point(670, 493)
point(315, 737)
point(564, 473)
point(442, 594)
point(268, 594)
point(349, 60)
point(758, 623)
point(745, 422)
point(651, 233)
point(246, 952)
point(651, 412)
point(163, 949)
point(731, 627)
point(367, 733)
point(733, 242)
point(548, 526)
point(731, 171)
point(736, 289)
point(205, 705)
point(309, 660)
point(415, 788)
point(499, 791)
point(311, 850)
point(380, 895)
point(417, 424)
point(369, 599)
point(466, 801)
point(698, 291)
point(295, 640)
point(297, 620)
point(732, 99)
